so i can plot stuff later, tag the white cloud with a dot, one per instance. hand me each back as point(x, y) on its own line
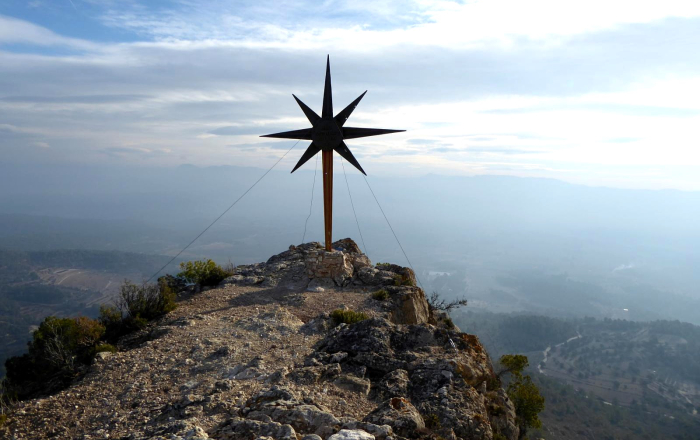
point(13, 30)
point(318, 25)
point(504, 87)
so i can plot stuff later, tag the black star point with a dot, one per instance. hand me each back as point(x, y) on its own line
point(329, 132)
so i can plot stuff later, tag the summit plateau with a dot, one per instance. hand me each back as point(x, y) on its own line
point(270, 353)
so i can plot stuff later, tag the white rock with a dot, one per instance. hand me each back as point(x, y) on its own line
point(354, 434)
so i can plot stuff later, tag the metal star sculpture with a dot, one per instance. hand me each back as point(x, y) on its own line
point(327, 134)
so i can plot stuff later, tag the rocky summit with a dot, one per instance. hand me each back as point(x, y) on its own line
point(262, 357)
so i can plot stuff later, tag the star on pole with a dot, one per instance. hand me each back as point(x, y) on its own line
point(328, 134)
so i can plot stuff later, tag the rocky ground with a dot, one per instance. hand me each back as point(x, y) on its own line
point(260, 357)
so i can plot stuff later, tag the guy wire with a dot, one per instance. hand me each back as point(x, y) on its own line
point(219, 217)
point(312, 200)
point(353, 206)
point(392, 231)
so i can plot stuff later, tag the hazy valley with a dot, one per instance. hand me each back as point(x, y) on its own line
point(566, 256)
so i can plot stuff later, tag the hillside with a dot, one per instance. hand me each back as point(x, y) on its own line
point(61, 283)
point(260, 356)
point(613, 378)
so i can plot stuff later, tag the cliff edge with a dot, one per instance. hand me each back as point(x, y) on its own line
point(262, 357)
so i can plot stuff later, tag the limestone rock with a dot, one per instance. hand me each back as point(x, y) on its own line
point(355, 434)
point(346, 245)
point(372, 276)
point(380, 432)
point(393, 384)
point(334, 265)
point(409, 305)
point(282, 406)
point(354, 384)
point(315, 374)
point(237, 428)
point(398, 413)
point(359, 261)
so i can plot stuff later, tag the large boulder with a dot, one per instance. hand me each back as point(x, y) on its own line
point(409, 305)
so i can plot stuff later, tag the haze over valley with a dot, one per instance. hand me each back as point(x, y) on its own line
point(508, 244)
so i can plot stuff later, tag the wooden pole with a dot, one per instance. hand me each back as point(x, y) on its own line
point(328, 196)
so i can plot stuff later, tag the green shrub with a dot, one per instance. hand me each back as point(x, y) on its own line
point(105, 348)
point(432, 421)
point(524, 394)
point(58, 350)
point(403, 280)
point(60, 342)
point(347, 316)
point(148, 301)
point(135, 306)
point(111, 318)
point(496, 410)
point(381, 295)
point(204, 273)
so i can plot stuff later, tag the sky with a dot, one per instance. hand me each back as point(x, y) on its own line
point(602, 93)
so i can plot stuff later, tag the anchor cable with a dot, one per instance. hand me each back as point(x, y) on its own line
point(312, 200)
point(222, 214)
point(392, 231)
point(353, 206)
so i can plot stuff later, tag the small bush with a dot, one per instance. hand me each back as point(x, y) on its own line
point(105, 348)
point(59, 349)
point(147, 301)
point(7, 401)
point(204, 273)
point(493, 384)
point(60, 342)
point(496, 410)
point(229, 267)
point(347, 316)
point(135, 306)
point(432, 421)
point(112, 319)
point(381, 295)
point(403, 280)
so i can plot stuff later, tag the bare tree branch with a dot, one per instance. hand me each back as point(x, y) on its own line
point(438, 303)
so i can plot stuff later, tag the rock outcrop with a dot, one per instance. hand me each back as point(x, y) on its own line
point(260, 357)
point(311, 267)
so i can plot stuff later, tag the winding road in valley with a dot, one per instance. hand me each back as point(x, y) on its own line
point(546, 352)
